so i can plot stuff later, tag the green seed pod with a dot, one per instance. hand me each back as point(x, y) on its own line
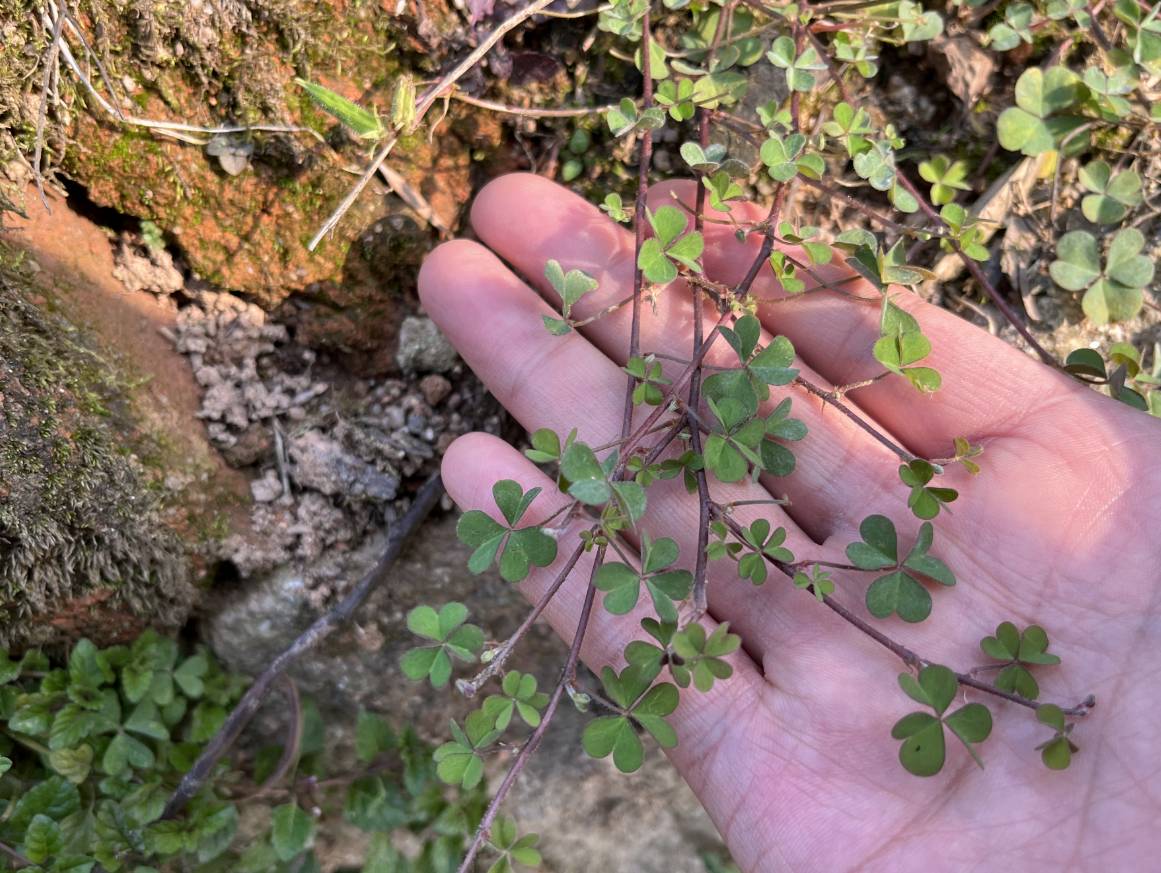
point(403, 103)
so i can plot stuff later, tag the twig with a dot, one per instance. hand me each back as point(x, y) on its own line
point(289, 749)
point(76, 29)
point(42, 114)
point(193, 781)
point(975, 270)
point(425, 102)
point(828, 397)
point(164, 126)
point(492, 105)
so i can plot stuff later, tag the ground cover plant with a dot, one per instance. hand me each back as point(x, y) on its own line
point(91, 750)
point(726, 432)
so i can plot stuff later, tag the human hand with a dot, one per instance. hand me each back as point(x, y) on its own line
point(792, 756)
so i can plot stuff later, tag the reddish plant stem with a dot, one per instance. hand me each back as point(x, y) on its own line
point(828, 397)
point(469, 689)
point(566, 676)
point(700, 565)
point(670, 436)
point(678, 386)
point(796, 96)
point(855, 204)
point(4, 847)
point(640, 220)
point(913, 660)
point(767, 240)
point(910, 658)
point(975, 270)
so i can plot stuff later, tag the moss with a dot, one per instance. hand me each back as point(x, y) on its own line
point(78, 517)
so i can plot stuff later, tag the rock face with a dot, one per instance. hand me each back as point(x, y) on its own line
point(240, 208)
point(592, 816)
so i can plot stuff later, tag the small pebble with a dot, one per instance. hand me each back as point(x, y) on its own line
point(435, 388)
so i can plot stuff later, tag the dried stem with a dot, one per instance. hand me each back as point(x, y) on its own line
point(42, 114)
point(422, 105)
point(492, 105)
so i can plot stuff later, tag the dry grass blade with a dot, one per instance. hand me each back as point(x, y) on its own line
point(433, 93)
point(42, 115)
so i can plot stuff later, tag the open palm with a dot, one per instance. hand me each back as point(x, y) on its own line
point(792, 757)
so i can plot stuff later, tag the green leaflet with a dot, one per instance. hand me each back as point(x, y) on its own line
point(366, 124)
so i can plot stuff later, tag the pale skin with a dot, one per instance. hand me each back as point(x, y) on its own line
point(792, 757)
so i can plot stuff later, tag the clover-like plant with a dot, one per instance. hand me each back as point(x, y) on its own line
point(512, 850)
point(1112, 292)
point(1018, 651)
point(899, 591)
point(670, 246)
point(665, 585)
point(453, 639)
point(1112, 196)
point(518, 548)
point(519, 695)
point(636, 703)
point(571, 287)
point(1016, 27)
point(1057, 752)
point(1035, 124)
point(924, 748)
point(946, 178)
point(459, 761)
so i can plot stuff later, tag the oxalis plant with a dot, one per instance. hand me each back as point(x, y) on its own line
point(91, 749)
point(711, 427)
point(707, 424)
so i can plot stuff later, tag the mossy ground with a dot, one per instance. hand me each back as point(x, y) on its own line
point(83, 550)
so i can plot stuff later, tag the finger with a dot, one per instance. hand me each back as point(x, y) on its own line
point(529, 220)
point(986, 382)
point(562, 382)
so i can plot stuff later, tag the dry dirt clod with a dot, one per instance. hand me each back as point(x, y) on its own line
point(324, 465)
point(964, 67)
point(152, 270)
